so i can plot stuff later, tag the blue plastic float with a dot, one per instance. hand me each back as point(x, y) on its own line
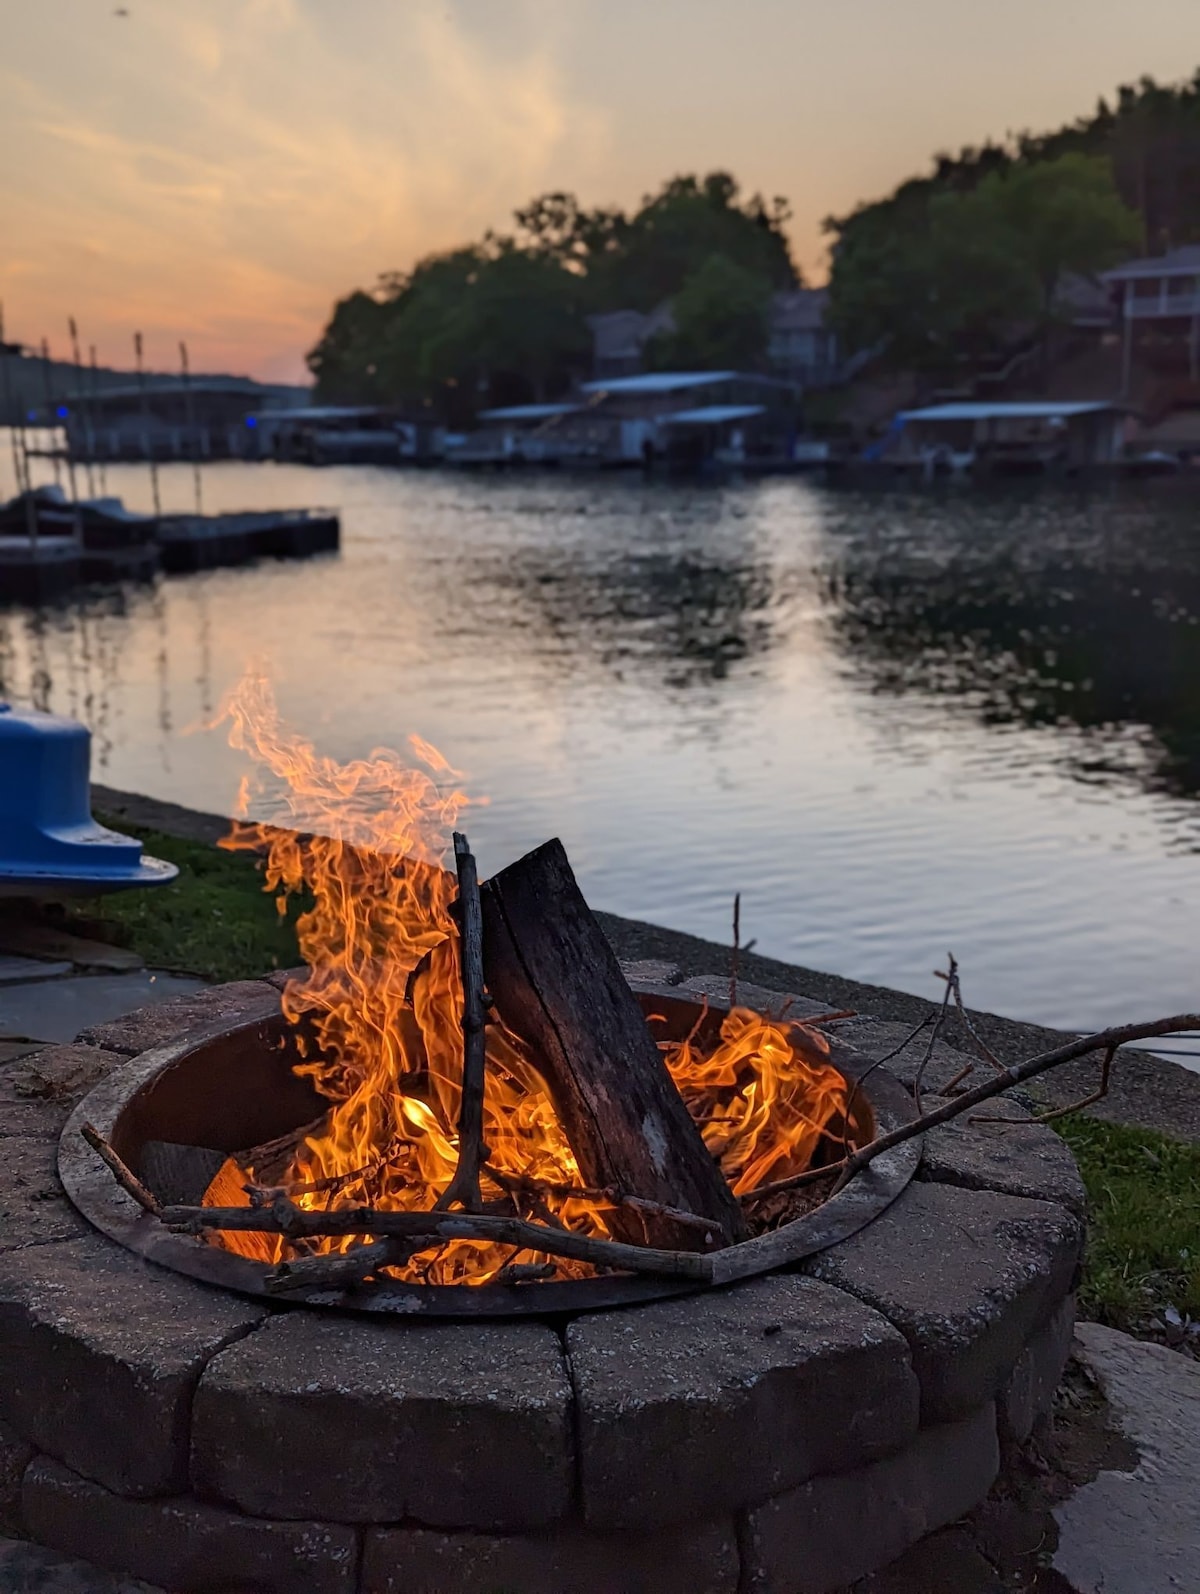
point(50, 846)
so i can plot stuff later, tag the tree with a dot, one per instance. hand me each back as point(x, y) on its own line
point(689, 220)
point(721, 317)
point(1064, 215)
point(343, 362)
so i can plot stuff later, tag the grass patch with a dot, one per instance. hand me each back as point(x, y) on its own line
point(1144, 1222)
point(215, 920)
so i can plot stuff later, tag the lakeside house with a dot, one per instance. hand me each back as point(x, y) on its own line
point(1159, 307)
point(801, 348)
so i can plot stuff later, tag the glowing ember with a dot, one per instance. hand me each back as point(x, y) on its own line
point(382, 1007)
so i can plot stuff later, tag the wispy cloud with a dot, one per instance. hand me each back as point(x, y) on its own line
point(225, 172)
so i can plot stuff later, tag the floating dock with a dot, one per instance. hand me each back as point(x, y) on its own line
point(202, 542)
point(99, 541)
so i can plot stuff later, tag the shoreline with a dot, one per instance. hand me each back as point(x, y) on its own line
point(1147, 1091)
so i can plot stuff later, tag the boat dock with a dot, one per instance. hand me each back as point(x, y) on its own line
point(49, 546)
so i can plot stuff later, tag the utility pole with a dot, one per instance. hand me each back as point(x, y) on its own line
point(191, 422)
point(84, 407)
point(20, 450)
point(49, 400)
point(93, 389)
point(10, 413)
point(141, 376)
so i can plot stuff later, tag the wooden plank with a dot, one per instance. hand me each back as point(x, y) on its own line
point(556, 983)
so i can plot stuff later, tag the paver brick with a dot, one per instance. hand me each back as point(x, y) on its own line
point(169, 1021)
point(690, 1407)
point(453, 1424)
point(832, 1530)
point(1029, 1393)
point(183, 1544)
point(1026, 1160)
point(694, 1560)
point(100, 1353)
point(967, 1276)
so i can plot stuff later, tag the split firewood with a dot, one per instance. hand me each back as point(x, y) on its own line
point(557, 984)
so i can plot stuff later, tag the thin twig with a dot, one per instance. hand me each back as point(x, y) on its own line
point(795, 1181)
point(950, 979)
point(427, 1229)
point(952, 1085)
point(1082, 1046)
point(124, 1175)
point(856, 1087)
point(1062, 1112)
point(737, 943)
point(463, 1189)
point(339, 1272)
point(610, 1194)
point(981, 1046)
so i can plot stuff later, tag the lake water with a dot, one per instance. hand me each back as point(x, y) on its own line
point(897, 724)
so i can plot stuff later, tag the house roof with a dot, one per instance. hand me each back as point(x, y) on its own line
point(1037, 410)
point(527, 412)
point(713, 415)
point(1182, 262)
point(658, 382)
point(801, 310)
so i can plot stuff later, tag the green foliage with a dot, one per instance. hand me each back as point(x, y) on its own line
point(1125, 180)
point(961, 268)
point(721, 320)
point(215, 920)
point(506, 319)
point(1144, 1222)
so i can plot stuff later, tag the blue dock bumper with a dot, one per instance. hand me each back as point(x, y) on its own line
point(49, 843)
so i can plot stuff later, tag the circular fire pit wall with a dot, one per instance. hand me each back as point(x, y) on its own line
point(785, 1434)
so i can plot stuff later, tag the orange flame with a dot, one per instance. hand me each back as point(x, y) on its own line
point(377, 1018)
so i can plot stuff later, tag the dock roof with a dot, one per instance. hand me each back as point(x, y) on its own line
point(658, 382)
point(713, 414)
point(1034, 410)
point(527, 412)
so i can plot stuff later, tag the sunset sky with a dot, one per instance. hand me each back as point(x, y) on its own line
point(223, 169)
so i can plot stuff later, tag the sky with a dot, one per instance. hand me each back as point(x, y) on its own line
point(223, 170)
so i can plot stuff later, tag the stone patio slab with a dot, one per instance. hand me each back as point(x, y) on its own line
point(1138, 1532)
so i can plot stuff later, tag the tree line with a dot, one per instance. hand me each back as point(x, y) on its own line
point(950, 265)
point(506, 319)
point(945, 270)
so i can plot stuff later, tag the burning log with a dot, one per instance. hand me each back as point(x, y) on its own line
point(556, 982)
point(463, 1189)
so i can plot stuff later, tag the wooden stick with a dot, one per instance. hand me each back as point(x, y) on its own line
point(951, 979)
point(1121, 1035)
point(737, 941)
point(338, 1272)
point(426, 1229)
point(463, 1189)
point(124, 1175)
point(1061, 1112)
point(608, 1193)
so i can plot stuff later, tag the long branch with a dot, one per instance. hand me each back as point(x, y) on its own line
point(1017, 1074)
point(463, 1189)
point(282, 1216)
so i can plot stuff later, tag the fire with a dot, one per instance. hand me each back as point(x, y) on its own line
point(378, 1017)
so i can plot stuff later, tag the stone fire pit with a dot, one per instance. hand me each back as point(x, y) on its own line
point(784, 1435)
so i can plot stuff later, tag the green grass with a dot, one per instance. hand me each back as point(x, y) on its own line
point(215, 920)
point(1144, 1222)
point(1143, 1187)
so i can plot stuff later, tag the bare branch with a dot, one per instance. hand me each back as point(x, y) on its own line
point(1061, 1112)
point(125, 1176)
point(424, 1230)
